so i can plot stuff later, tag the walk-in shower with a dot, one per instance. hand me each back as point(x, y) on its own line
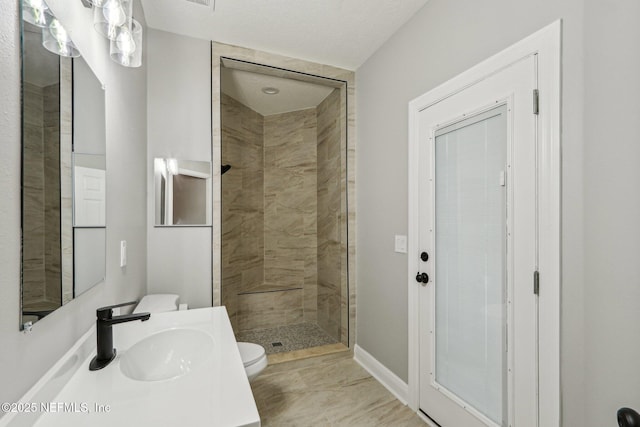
point(284, 208)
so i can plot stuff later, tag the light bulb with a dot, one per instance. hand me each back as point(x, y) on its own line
point(124, 41)
point(56, 39)
point(35, 12)
point(58, 32)
point(114, 13)
point(126, 47)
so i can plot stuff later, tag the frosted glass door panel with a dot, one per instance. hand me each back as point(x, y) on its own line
point(470, 261)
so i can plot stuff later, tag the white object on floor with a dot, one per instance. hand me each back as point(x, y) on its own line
point(157, 303)
point(253, 357)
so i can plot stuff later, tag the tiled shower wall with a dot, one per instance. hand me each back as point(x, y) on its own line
point(41, 246)
point(51, 142)
point(271, 266)
point(330, 292)
point(290, 230)
point(33, 183)
point(242, 203)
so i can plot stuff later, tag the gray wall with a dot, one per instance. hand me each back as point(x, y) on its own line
point(179, 126)
point(601, 203)
point(611, 208)
point(88, 128)
point(24, 358)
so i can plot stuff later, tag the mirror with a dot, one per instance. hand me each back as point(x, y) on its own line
point(63, 178)
point(182, 192)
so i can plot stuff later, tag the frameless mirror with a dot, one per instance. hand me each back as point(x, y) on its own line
point(182, 192)
point(63, 178)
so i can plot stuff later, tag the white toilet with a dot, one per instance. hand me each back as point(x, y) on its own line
point(157, 303)
point(253, 355)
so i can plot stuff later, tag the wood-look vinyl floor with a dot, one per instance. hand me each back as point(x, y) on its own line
point(331, 390)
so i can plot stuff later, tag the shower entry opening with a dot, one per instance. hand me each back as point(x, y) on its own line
point(284, 208)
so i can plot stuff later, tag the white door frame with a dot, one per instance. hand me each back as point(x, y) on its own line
point(546, 43)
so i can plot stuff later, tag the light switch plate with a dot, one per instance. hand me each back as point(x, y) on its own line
point(123, 253)
point(401, 244)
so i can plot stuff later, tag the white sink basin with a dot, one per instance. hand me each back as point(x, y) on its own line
point(166, 355)
point(184, 359)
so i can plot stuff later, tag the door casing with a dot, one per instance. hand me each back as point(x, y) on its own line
point(546, 44)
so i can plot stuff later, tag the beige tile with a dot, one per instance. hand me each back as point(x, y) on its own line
point(269, 309)
point(306, 353)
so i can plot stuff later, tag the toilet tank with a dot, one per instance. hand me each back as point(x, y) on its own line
point(157, 303)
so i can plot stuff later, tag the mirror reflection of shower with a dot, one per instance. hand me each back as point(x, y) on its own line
point(284, 279)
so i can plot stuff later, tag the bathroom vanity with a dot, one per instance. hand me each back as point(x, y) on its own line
point(177, 368)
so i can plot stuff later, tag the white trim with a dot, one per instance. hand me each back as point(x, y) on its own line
point(546, 43)
point(426, 419)
point(391, 381)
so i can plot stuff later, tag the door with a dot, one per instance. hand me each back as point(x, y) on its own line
point(89, 198)
point(477, 226)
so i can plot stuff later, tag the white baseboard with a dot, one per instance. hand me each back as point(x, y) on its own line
point(395, 385)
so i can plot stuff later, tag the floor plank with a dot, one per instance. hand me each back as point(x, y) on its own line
point(330, 390)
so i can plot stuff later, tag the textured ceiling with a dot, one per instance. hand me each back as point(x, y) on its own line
point(246, 87)
point(342, 33)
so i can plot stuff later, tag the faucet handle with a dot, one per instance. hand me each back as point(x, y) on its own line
point(104, 313)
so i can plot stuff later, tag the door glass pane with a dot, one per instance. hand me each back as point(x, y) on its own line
point(470, 261)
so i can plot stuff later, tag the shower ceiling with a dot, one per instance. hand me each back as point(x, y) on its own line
point(343, 33)
point(246, 87)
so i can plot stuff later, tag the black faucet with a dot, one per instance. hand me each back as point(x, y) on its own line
point(104, 333)
point(627, 417)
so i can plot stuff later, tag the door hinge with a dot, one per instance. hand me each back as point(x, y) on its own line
point(536, 101)
point(536, 282)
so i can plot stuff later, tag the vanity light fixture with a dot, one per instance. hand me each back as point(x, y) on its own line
point(56, 39)
point(90, 3)
point(271, 90)
point(114, 20)
point(35, 12)
point(126, 49)
point(111, 16)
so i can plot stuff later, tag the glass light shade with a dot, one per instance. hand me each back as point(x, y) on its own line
point(126, 49)
point(56, 39)
point(110, 16)
point(35, 12)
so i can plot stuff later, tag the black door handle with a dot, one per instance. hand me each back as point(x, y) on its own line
point(422, 278)
point(424, 256)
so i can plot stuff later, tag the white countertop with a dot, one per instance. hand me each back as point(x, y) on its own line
point(217, 393)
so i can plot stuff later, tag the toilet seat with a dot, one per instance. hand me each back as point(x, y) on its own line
point(253, 358)
point(250, 353)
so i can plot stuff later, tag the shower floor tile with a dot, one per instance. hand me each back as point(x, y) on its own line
point(287, 338)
